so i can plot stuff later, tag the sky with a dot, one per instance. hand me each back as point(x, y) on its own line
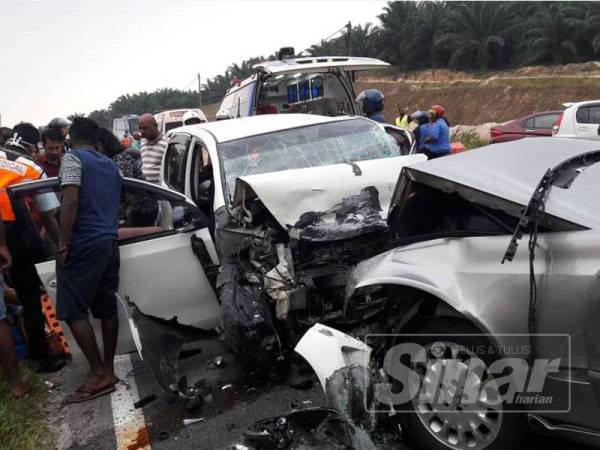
point(74, 56)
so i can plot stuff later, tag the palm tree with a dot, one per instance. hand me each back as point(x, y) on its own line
point(398, 29)
point(430, 23)
point(587, 23)
point(551, 33)
point(476, 33)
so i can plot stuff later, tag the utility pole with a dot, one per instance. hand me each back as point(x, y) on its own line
point(348, 39)
point(199, 90)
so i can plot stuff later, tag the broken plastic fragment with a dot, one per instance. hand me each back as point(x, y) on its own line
point(144, 401)
point(217, 362)
point(327, 350)
point(192, 421)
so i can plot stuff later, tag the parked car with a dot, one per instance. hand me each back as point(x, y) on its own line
point(276, 210)
point(315, 85)
point(533, 125)
point(456, 220)
point(168, 120)
point(581, 119)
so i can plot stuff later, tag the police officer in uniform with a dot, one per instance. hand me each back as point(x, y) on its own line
point(23, 239)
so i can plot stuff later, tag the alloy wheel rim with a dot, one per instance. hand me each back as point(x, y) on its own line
point(460, 408)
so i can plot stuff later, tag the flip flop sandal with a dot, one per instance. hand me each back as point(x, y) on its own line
point(85, 394)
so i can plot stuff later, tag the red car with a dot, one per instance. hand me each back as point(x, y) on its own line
point(538, 124)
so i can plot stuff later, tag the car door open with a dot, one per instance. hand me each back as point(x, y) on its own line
point(163, 244)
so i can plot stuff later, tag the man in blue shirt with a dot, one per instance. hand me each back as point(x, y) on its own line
point(434, 139)
point(88, 255)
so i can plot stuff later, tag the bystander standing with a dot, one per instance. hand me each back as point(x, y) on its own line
point(54, 147)
point(88, 255)
point(8, 357)
point(154, 144)
point(24, 242)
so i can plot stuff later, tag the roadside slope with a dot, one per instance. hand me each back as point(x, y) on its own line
point(497, 97)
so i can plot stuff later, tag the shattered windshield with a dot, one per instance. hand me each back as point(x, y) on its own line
point(299, 148)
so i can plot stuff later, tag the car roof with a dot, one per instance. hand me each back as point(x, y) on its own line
point(232, 129)
point(577, 104)
point(511, 171)
point(319, 64)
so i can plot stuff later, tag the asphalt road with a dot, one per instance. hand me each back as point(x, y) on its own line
point(232, 402)
point(226, 412)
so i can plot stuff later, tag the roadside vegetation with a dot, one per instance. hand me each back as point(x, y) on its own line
point(470, 139)
point(479, 37)
point(22, 421)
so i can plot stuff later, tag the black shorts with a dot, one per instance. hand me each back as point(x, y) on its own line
point(88, 280)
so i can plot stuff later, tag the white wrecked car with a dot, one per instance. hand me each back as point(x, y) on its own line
point(273, 212)
point(458, 288)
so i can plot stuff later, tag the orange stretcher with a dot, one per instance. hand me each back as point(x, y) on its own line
point(56, 336)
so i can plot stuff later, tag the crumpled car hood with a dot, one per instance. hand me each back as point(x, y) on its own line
point(328, 202)
point(504, 176)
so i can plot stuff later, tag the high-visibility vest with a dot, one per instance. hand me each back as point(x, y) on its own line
point(402, 122)
point(14, 172)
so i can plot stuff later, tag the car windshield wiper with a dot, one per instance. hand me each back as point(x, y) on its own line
point(561, 176)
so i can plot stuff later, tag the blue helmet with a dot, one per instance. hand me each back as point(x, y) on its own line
point(371, 101)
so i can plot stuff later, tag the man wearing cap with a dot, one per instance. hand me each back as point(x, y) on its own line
point(24, 240)
point(60, 124)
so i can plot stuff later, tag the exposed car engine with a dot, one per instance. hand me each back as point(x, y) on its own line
point(277, 284)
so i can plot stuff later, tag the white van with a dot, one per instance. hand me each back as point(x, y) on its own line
point(173, 118)
point(314, 85)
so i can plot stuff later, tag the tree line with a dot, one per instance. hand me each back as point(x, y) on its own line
point(468, 36)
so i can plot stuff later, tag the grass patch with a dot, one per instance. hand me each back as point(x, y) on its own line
point(470, 140)
point(22, 425)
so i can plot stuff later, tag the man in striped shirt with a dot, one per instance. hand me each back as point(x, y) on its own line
point(152, 148)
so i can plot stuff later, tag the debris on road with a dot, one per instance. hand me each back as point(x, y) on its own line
point(304, 428)
point(163, 435)
point(215, 363)
point(193, 421)
point(145, 401)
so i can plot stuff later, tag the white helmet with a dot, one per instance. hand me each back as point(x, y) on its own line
point(191, 117)
point(59, 122)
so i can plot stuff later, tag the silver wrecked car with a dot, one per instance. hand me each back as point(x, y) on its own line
point(460, 289)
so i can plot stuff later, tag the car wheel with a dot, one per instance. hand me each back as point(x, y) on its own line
point(443, 421)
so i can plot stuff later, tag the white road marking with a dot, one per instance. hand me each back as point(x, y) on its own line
point(130, 428)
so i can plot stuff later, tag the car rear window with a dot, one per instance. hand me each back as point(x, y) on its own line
point(545, 121)
point(588, 114)
point(171, 125)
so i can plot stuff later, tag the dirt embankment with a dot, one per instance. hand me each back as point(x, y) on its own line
point(495, 97)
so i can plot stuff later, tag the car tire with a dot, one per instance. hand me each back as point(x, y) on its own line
point(512, 428)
